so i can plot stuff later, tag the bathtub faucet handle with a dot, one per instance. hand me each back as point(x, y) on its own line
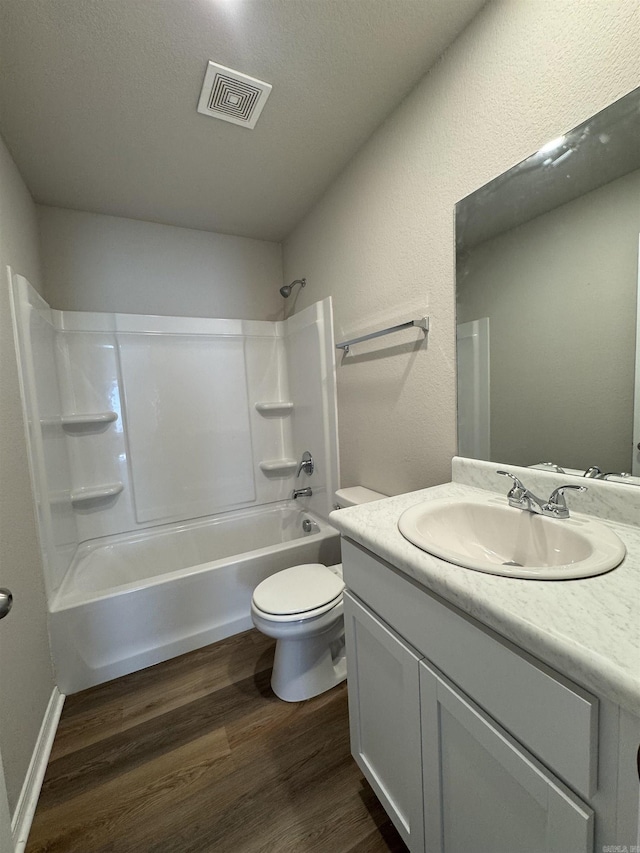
point(307, 465)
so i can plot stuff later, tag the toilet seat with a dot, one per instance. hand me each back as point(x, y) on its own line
point(300, 592)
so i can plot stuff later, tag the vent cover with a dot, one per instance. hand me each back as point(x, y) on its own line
point(231, 96)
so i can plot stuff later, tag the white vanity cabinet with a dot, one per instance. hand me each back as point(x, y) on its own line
point(469, 742)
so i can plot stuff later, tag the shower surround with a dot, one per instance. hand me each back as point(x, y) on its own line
point(163, 454)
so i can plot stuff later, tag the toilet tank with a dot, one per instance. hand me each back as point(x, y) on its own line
point(355, 495)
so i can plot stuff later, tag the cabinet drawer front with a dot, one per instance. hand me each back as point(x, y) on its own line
point(555, 719)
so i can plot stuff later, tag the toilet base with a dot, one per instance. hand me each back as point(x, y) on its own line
point(308, 667)
point(310, 654)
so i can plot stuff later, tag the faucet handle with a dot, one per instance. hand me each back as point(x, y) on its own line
point(307, 465)
point(557, 505)
point(592, 473)
point(518, 489)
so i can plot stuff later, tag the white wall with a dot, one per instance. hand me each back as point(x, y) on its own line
point(25, 667)
point(381, 240)
point(106, 263)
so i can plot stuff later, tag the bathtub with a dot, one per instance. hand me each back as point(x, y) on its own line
point(130, 601)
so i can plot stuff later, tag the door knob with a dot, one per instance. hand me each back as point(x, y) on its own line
point(6, 600)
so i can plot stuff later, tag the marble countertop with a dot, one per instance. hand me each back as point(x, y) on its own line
point(587, 629)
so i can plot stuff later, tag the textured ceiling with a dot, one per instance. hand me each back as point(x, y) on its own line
point(98, 100)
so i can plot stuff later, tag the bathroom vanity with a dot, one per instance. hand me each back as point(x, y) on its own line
point(492, 713)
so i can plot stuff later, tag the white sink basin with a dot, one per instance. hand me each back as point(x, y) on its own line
point(487, 535)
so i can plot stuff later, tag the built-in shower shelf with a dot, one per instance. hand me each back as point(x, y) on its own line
point(276, 409)
point(87, 421)
point(278, 467)
point(95, 493)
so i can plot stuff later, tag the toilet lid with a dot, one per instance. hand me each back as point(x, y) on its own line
point(298, 590)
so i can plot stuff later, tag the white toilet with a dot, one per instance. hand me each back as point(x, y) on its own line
point(301, 608)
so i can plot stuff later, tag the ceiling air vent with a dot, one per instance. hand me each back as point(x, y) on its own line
point(231, 96)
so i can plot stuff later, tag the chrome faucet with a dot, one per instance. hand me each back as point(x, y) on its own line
point(595, 473)
point(550, 466)
point(307, 464)
point(302, 493)
point(521, 498)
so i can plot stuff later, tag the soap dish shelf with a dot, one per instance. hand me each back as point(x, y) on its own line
point(278, 467)
point(279, 409)
point(87, 422)
point(85, 494)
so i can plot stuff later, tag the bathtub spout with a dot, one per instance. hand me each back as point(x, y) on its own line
point(302, 493)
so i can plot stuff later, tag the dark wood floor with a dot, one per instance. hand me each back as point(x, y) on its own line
point(197, 755)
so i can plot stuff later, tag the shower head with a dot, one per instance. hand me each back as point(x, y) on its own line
point(286, 289)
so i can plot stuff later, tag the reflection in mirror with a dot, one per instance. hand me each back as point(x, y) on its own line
point(547, 303)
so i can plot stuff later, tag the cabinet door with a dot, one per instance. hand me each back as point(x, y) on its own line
point(628, 800)
point(483, 791)
point(384, 716)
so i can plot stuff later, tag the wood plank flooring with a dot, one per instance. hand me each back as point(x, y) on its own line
point(197, 755)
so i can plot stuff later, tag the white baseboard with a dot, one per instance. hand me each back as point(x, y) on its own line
point(26, 807)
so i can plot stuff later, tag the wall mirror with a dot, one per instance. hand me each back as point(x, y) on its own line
point(547, 303)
